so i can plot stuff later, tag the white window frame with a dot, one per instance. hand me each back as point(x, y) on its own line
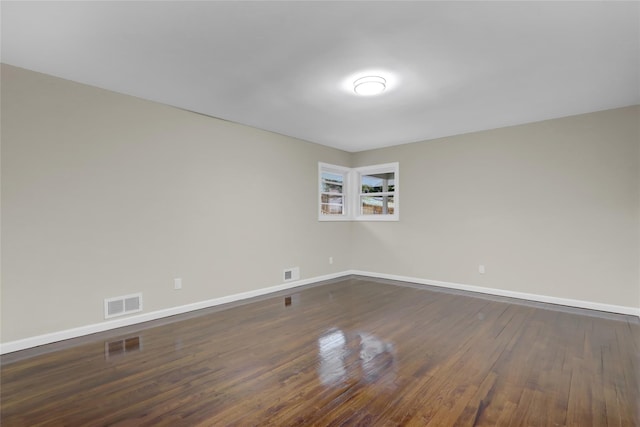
point(373, 170)
point(346, 191)
point(351, 191)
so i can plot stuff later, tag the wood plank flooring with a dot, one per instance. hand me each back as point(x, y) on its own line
point(352, 352)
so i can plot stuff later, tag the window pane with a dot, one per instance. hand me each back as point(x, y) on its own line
point(331, 209)
point(376, 205)
point(331, 205)
point(377, 183)
point(331, 199)
point(332, 183)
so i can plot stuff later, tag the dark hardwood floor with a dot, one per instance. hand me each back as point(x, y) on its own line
point(352, 352)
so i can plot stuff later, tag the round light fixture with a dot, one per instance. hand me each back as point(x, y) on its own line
point(369, 85)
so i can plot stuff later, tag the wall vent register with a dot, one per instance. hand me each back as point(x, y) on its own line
point(290, 274)
point(119, 306)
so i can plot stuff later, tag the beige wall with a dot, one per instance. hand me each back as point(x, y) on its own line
point(105, 195)
point(550, 208)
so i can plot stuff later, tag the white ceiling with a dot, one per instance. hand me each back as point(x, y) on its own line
point(452, 67)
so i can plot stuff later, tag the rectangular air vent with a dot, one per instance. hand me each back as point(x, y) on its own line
point(291, 274)
point(119, 306)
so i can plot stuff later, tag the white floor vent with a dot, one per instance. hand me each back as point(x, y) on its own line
point(119, 306)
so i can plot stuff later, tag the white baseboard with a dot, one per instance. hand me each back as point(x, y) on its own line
point(620, 309)
point(39, 340)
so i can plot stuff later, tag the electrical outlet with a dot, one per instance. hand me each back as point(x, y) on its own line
point(330, 260)
point(177, 283)
point(481, 269)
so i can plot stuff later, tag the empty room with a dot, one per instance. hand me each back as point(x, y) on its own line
point(320, 213)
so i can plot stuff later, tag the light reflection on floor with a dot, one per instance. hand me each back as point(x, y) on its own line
point(358, 356)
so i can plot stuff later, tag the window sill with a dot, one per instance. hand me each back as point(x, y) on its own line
point(364, 218)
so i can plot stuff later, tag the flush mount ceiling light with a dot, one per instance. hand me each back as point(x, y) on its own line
point(369, 85)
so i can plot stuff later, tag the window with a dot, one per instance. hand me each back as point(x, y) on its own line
point(377, 192)
point(367, 193)
point(334, 183)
